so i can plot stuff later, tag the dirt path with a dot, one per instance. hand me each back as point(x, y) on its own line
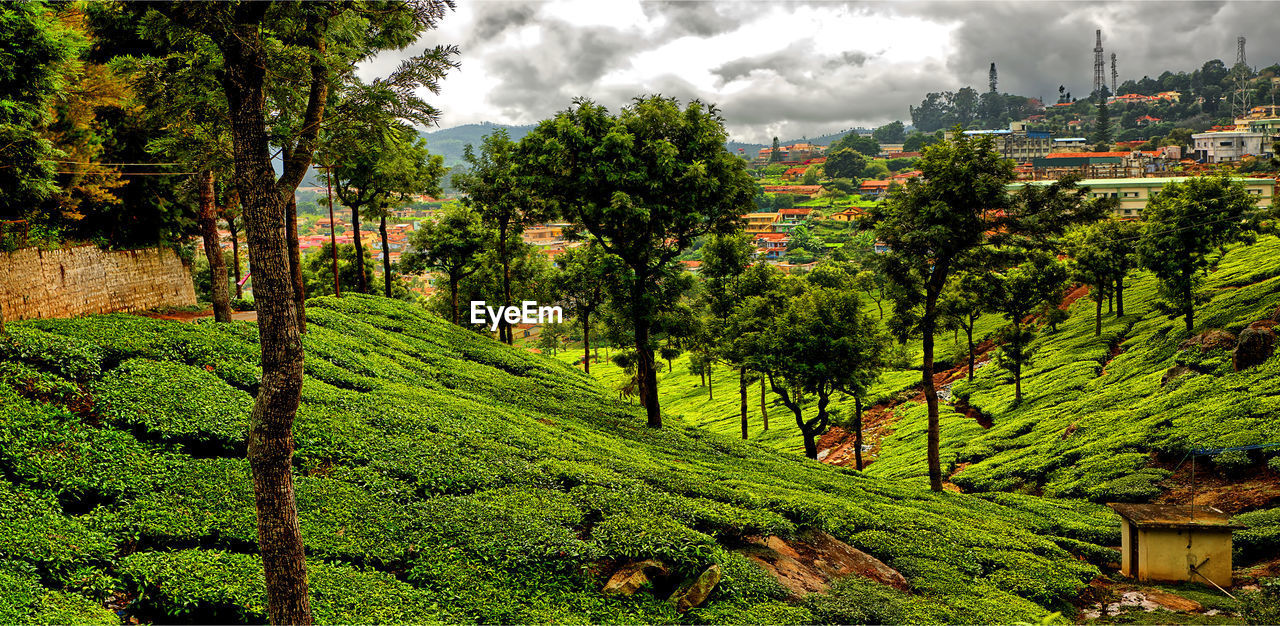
point(836, 446)
point(191, 316)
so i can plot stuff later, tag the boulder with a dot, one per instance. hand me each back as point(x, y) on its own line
point(809, 562)
point(1175, 372)
point(1212, 339)
point(632, 576)
point(693, 594)
point(1254, 347)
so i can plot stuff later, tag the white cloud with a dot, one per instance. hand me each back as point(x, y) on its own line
point(806, 68)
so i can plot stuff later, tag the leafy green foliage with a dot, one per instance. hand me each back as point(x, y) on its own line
point(1184, 222)
point(443, 477)
point(1095, 421)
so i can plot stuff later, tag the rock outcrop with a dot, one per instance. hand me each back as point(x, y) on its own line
point(632, 576)
point(1254, 347)
point(808, 563)
point(1176, 371)
point(695, 592)
point(1212, 339)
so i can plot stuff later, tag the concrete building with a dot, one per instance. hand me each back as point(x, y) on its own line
point(1227, 146)
point(756, 223)
point(544, 234)
point(1134, 193)
point(1131, 164)
point(1017, 142)
point(1175, 543)
point(1069, 144)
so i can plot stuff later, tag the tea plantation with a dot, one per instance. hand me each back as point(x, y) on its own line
point(1096, 421)
point(444, 477)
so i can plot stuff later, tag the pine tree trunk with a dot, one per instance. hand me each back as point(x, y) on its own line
point(857, 432)
point(453, 300)
point(270, 436)
point(710, 384)
point(764, 410)
point(968, 331)
point(362, 281)
point(742, 391)
point(931, 394)
point(1018, 383)
point(506, 283)
point(1120, 295)
point(645, 375)
point(295, 260)
point(386, 257)
point(235, 254)
point(586, 342)
point(213, 251)
point(1097, 318)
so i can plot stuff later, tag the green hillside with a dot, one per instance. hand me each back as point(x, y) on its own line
point(1096, 422)
point(443, 477)
point(450, 142)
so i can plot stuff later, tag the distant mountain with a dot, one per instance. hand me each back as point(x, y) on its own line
point(449, 142)
point(751, 149)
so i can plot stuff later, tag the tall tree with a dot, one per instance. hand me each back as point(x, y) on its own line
point(813, 341)
point(34, 51)
point(387, 169)
point(893, 132)
point(491, 184)
point(173, 90)
point(1015, 294)
point(845, 163)
point(644, 184)
point(582, 282)
point(775, 154)
point(450, 245)
point(724, 259)
point(963, 301)
point(1184, 222)
point(1104, 254)
point(928, 225)
point(247, 35)
point(1102, 126)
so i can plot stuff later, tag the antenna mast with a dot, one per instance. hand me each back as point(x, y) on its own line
point(1114, 75)
point(1099, 76)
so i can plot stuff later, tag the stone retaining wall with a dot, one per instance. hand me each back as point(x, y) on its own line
point(85, 280)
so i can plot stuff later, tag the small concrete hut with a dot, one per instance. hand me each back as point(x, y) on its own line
point(1165, 542)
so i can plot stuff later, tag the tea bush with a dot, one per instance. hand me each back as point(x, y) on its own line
point(1102, 427)
point(442, 476)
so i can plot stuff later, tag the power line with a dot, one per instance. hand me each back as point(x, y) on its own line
point(132, 173)
point(98, 163)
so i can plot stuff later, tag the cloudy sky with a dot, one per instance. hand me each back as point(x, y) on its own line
point(808, 68)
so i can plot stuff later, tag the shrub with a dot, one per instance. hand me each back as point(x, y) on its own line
point(176, 402)
point(1263, 605)
point(1261, 539)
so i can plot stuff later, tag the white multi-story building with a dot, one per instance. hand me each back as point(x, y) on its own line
point(1228, 146)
